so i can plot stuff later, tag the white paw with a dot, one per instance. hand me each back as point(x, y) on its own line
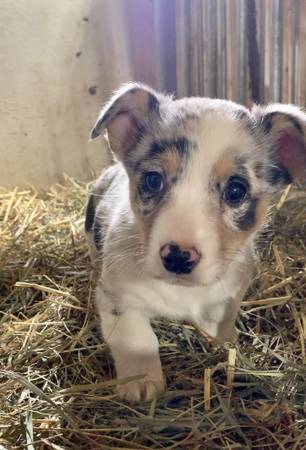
point(142, 390)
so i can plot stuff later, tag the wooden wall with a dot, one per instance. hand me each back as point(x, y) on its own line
point(244, 50)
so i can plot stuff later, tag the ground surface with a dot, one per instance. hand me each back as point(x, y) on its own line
point(56, 388)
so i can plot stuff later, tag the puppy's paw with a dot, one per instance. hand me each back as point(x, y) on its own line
point(142, 390)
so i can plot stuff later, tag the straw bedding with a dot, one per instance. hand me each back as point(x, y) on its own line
point(56, 374)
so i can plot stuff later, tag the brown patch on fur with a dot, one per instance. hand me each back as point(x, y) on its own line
point(225, 167)
point(171, 162)
point(232, 239)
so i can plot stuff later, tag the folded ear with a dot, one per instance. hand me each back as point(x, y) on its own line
point(126, 115)
point(286, 127)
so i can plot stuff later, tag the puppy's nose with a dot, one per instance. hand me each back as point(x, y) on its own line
point(179, 259)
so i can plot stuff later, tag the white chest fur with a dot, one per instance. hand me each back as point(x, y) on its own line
point(202, 305)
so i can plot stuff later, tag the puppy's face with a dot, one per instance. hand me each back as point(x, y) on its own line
point(194, 188)
point(201, 174)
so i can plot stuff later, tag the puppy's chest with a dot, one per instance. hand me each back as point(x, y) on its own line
point(158, 298)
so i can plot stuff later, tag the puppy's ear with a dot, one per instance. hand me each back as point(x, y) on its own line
point(286, 127)
point(126, 116)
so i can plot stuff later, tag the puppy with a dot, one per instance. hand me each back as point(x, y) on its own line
point(172, 224)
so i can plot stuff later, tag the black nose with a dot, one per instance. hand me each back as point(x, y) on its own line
point(179, 260)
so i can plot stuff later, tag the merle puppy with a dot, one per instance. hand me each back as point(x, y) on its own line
point(172, 224)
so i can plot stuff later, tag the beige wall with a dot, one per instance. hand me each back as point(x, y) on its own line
point(59, 60)
point(52, 55)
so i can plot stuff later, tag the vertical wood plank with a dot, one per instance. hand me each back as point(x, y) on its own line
point(200, 48)
point(268, 20)
point(260, 7)
point(241, 51)
point(231, 50)
point(213, 48)
point(296, 52)
point(275, 52)
point(165, 44)
point(285, 53)
point(302, 53)
point(194, 47)
point(181, 51)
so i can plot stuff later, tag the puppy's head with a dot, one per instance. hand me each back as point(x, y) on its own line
point(201, 174)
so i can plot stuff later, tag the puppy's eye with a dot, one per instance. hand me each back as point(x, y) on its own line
point(236, 191)
point(153, 182)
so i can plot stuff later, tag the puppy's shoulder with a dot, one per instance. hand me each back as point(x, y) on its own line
point(111, 176)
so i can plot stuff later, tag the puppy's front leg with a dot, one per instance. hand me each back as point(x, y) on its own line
point(134, 347)
point(218, 321)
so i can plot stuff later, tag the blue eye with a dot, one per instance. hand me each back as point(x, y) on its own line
point(235, 191)
point(153, 182)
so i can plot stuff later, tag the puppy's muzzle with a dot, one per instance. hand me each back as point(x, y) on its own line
point(179, 259)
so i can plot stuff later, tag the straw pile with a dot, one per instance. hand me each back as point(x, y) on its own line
point(56, 388)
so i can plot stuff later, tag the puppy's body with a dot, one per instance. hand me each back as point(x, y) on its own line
point(172, 226)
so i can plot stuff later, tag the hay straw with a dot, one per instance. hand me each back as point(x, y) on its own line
point(232, 353)
point(207, 388)
point(56, 373)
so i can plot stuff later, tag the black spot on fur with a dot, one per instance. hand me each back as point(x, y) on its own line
point(247, 220)
point(247, 121)
point(90, 214)
point(279, 175)
point(241, 114)
point(91, 223)
point(297, 125)
point(242, 169)
point(97, 235)
point(274, 174)
point(267, 121)
point(153, 103)
point(181, 145)
point(156, 148)
point(259, 169)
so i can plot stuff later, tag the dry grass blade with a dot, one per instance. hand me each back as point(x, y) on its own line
point(56, 374)
point(231, 366)
point(29, 430)
point(207, 388)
